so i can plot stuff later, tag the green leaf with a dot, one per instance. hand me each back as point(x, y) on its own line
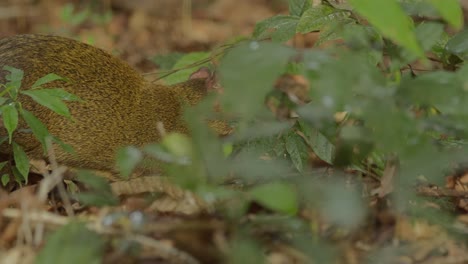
point(5, 179)
point(186, 60)
point(48, 98)
point(280, 28)
point(343, 205)
point(458, 44)
point(38, 128)
point(99, 194)
point(2, 164)
point(15, 75)
point(297, 150)
point(245, 250)
point(127, 159)
point(320, 144)
point(14, 78)
point(248, 73)
point(317, 18)
point(280, 197)
point(429, 34)
point(3, 100)
point(21, 161)
point(392, 22)
point(297, 7)
point(72, 244)
point(10, 118)
point(167, 61)
point(450, 10)
point(61, 94)
point(46, 79)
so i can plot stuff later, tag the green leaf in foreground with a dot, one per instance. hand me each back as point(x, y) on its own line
point(47, 98)
point(317, 18)
point(450, 10)
point(245, 86)
point(10, 118)
point(100, 192)
point(127, 159)
point(46, 79)
point(343, 205)
point(297, 7)
point(279, 28)
point(297, 150)
point(183, 74)
point(72, 244)
point(388, 17)
point(38, 128)
point(21, 160)
point(280, 197)
point(458, 44)
point(14, 80)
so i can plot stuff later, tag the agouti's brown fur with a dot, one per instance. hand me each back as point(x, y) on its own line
point(120, 107)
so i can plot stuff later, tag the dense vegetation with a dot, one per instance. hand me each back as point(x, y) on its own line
point(381, 97)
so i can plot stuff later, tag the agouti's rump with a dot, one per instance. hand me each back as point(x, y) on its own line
point(116, 109)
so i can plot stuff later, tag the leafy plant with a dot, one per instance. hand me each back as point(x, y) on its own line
point(12, 112)
point(389, 66)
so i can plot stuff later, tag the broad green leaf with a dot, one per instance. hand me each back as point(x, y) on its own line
point(388, 17)
point(67, 147)
point(429, 34)
point(438, 88)
point(14, 78)
point(5, 179)
point(297, 7)
point(320, 144)
point(317, 18)
point(297, 150)
point(280, 28)
point(186, 60)
point(127, 159)
point(248, 165)
point(245, 250)
point(15, 75)
point(60, 93)
point(178, 144)
point(167, 61)
point(38, 128)
point(280, 197)
point(458, 44)
point(343, 205)
point(450, 10)
point(248, 73)
point(99, 194)
point(10, 118)
point(21, 160)
point(46, 79)
point(73, 243)
point(3, 100)
point(47, 98)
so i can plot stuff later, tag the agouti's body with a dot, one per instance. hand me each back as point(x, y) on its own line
point(120, 108)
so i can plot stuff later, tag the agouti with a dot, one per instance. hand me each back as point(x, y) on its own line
point(119, 106)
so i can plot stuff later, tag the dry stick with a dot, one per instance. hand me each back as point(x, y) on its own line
point(48, 183)
point(436, 192)
point(165, 251)
point(45, 217)
point(58, 175)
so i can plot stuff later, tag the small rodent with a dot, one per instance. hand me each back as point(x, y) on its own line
point(119, 106)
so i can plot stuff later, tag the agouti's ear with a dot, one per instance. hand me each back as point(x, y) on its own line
point(202, 73)
point(211, 80)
